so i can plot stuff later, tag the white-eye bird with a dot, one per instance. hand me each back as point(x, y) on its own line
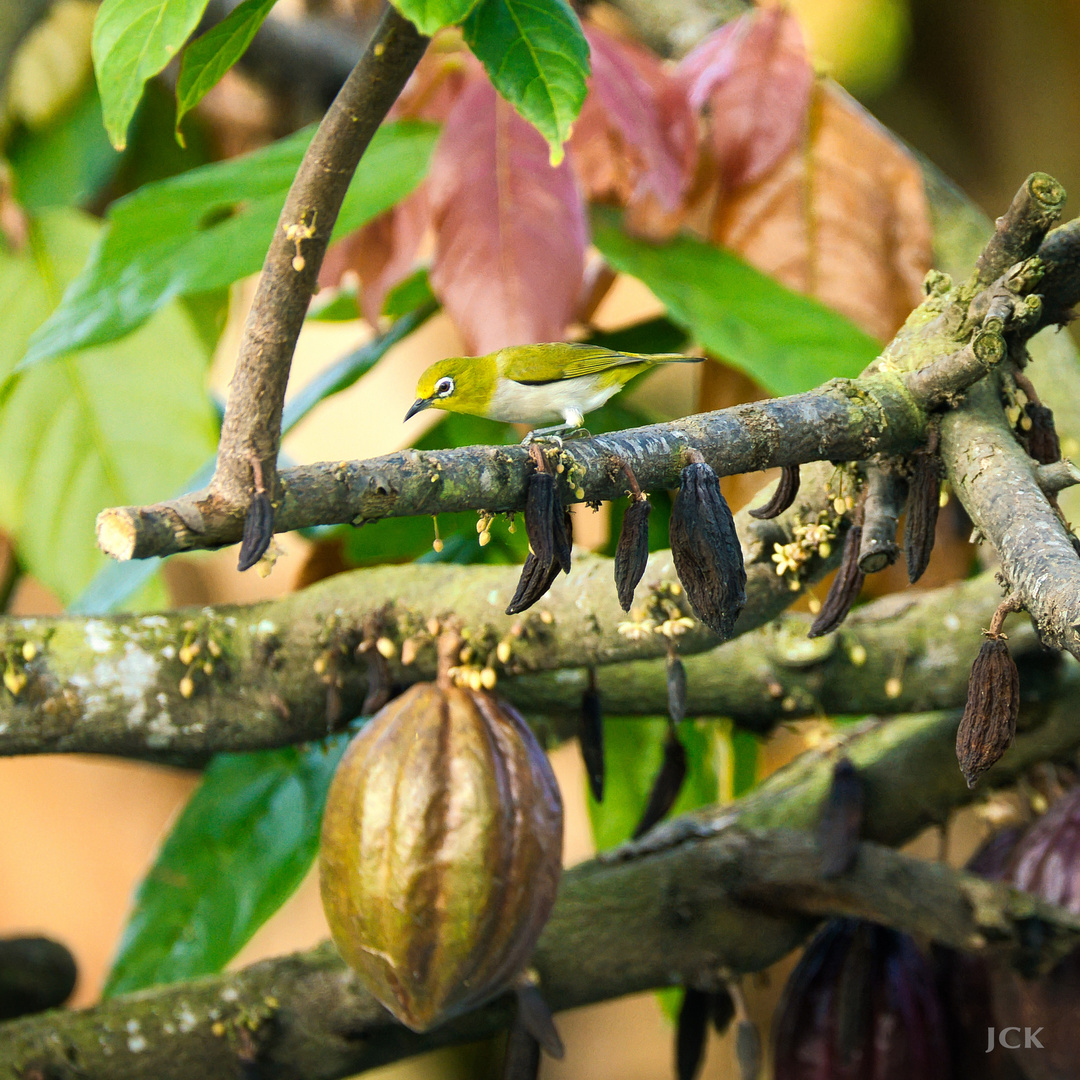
point(534, 384)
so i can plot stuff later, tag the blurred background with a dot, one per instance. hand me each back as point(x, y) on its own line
point(987, 89)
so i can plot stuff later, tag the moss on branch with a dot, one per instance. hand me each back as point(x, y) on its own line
point(697, 895)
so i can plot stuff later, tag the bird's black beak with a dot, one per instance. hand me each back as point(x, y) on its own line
point(419, 405)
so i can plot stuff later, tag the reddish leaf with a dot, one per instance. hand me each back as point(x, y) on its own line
point(510, 229)
point(636, 137)
point(434, 87)
point(755, 78)
point(382, 253)
point(843, 219)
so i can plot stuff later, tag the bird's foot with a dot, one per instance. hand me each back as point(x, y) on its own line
point(555, 435)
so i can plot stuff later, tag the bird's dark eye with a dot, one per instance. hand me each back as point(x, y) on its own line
point(444, 387)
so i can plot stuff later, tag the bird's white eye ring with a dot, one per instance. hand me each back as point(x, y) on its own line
point(444, 387)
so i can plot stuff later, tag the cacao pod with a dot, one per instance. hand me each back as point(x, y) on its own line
point(860, 1005)
point(993, 704)
point(705, 549)
point(1046, 862)
point(964, 980)
point(441, 851)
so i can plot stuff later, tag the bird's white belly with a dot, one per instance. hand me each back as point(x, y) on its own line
point(549, 403)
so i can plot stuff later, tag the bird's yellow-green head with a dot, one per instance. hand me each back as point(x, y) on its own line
point(457, 384)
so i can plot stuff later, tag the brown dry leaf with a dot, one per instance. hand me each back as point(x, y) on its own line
point(510, 229)
point(635, 142)
point(844, 219)
point(754, 79)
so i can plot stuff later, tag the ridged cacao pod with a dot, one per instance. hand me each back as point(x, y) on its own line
point(964, 980)
point(860, 1005)
point(993, 704)
point(1046, 862)
point(441, 851)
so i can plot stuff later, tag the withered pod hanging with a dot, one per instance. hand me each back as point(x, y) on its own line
point(441, 851)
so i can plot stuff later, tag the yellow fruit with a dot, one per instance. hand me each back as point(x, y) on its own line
point(441, 851)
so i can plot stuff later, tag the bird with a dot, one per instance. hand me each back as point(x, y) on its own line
point(534, 384)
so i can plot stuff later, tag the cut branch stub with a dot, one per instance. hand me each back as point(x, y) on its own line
point(1035, 209)
point(886, 493)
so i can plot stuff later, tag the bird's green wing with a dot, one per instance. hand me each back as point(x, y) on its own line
point(567, 360)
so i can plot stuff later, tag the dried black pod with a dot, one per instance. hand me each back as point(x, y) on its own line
point(748, 1049)
point(782, 497)
point(632, 552)
point(722, 1006)
point(860, 1005)
point(924, 492)
point(258, 531)
point(993, 703)
point(36, 974)
point(522, 1058)
point(591, 740)
point(676, 689)
point(542, 507)
point(1042, 440)
point(706, 551)
point(841, 820)
point(845, 587)
point(666, 786)
point(534, 1015)
point(378, 686)
point(535, 580)
point(537, 577)
point(690, 1032)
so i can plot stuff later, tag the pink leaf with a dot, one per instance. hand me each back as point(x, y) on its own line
point(382, 253)
point(510, 229)
point(636, 137)
point(755, 77)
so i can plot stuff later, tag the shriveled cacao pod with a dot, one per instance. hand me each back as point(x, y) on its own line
point(993, 704)
point(705, 549)
point(1046, 862)
point(441, 851)
point(860, 1005)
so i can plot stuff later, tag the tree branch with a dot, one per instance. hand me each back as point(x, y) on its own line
point(289, 670)
point(841, 421)
point(701, 894)
point(251, 431)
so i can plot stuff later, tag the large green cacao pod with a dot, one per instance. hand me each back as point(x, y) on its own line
point(441, 851)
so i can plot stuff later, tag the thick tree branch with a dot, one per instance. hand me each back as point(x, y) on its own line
point(698, 896)
point(999, 485)
point(251, 430)
point(843, 420)
point(289, 670)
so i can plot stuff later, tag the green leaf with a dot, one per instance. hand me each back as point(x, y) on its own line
point(633, 751)
point(536, 55)
point(68, 161)
point(209, 227)
point(244, 842)
point(113, 426)
point(209, 56)
point(408, 295)
point(133, 40)
point(430, 16)
point(786, 341)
